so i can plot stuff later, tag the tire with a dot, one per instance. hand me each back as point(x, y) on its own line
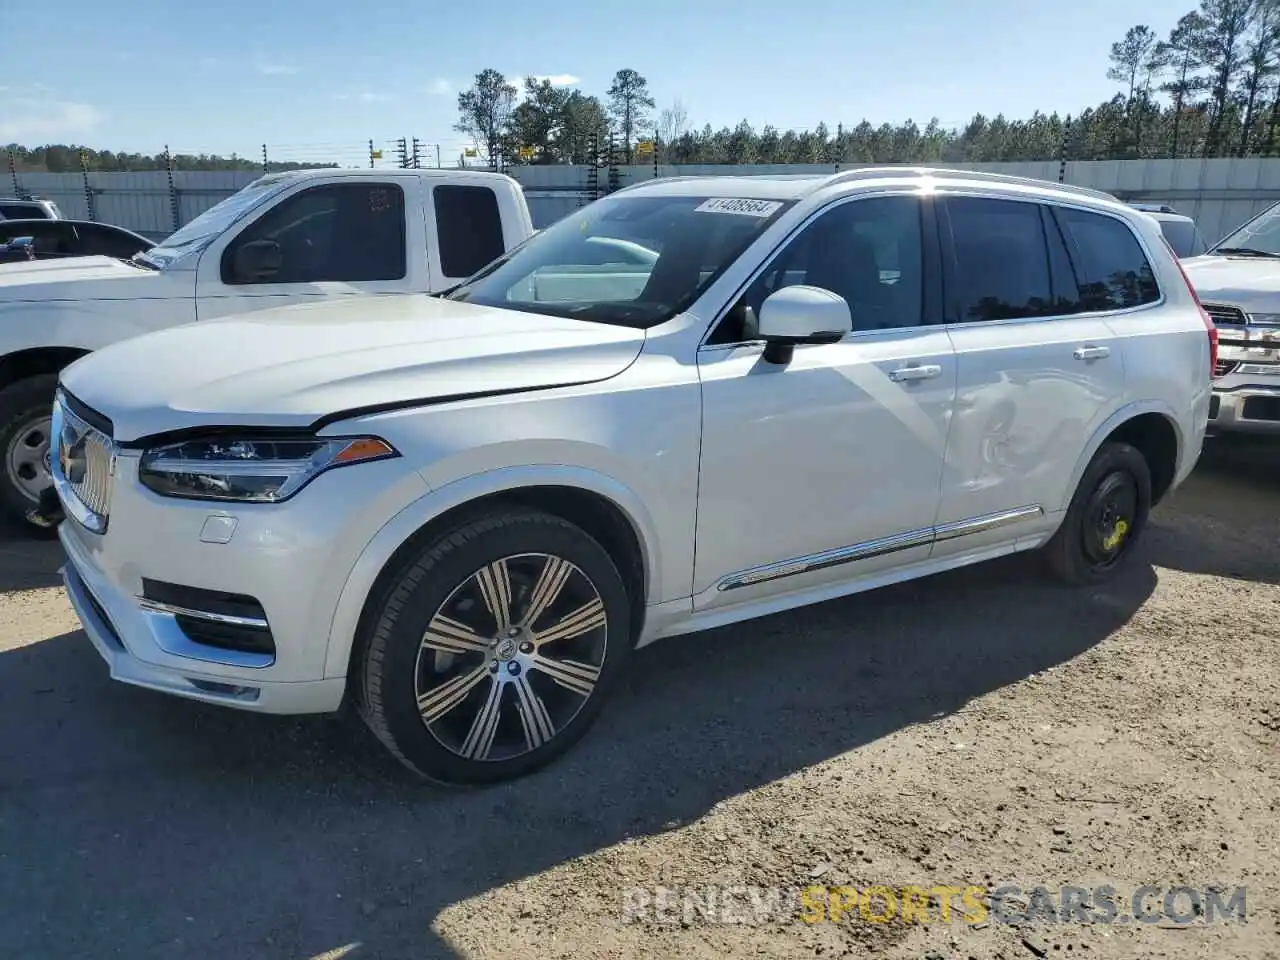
point(26, 409)
point(1094, 542)
point(468, 669)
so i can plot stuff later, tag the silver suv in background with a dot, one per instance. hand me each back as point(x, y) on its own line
point(1179, 230)
point(1238, 281)
point(28, 208)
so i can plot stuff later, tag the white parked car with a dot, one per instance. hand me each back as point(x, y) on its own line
point(1238, 280)
point(465, 512)
point(292, 237)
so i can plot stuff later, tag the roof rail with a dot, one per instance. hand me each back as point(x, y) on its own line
point(859, 173)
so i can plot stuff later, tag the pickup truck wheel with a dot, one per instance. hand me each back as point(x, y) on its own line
point(26, 421)
point(1106, 518)
point(494, 650)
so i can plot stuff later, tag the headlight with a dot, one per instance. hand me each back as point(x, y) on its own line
point(251, 471)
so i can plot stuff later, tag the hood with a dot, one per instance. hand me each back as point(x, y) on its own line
point(292, 366)
point(1251, 283)
point(74, 278)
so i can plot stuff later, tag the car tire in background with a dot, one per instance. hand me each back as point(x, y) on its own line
point(493, 648)
point(26, 420)
point(1106, 518)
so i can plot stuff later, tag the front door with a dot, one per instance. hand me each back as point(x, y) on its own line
point(1039, 371)
point(827, 468)
point(327, 240)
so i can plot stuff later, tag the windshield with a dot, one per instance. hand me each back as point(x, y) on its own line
point(1260, 236)
point(213, 221)
point(635, 261)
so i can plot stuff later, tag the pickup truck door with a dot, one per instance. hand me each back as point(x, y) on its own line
point(471, 223)
point(334, 238)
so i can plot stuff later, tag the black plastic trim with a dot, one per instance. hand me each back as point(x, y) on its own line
point(86, 413)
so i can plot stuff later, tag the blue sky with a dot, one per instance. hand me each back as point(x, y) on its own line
point(315, 78)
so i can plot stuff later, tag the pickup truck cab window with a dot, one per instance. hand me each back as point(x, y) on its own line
point(689, 240)
point(469, 226)
point(344, 232)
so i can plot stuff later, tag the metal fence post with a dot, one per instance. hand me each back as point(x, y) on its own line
point(371, 154)
point(173, 189)
point(89, 199)
point(265, 167)
point(13, 173)
point(1062, 150)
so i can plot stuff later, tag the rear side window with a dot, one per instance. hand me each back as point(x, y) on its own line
point(1001, 260)
point(469, 227)
point(1112, 271)
point(23, 211)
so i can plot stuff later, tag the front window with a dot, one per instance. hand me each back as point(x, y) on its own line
point(214, 221)
point(635, 261)
point(1260, 237)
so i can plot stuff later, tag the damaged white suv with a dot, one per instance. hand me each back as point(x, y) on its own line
point(466, 511)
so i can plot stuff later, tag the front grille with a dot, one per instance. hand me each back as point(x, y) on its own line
point(84, 458)
point(1224, 367)
point(1221, 313)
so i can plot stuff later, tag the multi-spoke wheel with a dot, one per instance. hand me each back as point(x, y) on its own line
point(1106, 516)
point(495, 647)
point(26, 411)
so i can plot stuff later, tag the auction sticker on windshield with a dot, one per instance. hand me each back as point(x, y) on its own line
point(744, 207)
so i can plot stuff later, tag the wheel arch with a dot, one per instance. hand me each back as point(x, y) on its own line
point(34, 361)
point(607, 509)
point(1152, 428)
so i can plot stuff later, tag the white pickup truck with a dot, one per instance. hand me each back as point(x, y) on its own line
point(285, 238)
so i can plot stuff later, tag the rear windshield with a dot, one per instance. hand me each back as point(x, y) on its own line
point(1183, 237)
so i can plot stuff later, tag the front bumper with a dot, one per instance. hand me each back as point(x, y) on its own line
point(1247, 407)
point(292, 558)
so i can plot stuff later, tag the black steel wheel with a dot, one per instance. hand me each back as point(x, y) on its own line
point(1106, 517)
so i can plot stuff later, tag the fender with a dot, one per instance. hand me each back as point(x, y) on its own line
point(85, 324)
point(1125, 413)
point(403, 525)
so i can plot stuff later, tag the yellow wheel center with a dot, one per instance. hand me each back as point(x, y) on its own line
point(1117, 535)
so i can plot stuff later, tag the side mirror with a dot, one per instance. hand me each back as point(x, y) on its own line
point(257, 260)
point(801, 314)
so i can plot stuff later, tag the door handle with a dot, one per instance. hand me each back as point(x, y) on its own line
point(1091, 353)
point(921, 372)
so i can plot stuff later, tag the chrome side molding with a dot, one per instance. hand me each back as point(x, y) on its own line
point(878, 547)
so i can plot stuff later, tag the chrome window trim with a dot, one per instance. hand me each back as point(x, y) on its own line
point(943, 190)
point(877, 548)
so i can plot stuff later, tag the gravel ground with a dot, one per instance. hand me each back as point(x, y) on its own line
point(977, 728)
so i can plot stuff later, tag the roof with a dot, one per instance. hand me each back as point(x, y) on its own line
point(797, 186)
point(382, 173)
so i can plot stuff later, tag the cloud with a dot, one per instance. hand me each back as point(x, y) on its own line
point(367, 96)
point(277, 69)
point(39, 118)
point(440, 87)
point(557, 79)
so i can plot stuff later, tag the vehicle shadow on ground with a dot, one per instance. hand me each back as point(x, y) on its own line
point(1225, 520)
point(136, 823)
point(29, 559)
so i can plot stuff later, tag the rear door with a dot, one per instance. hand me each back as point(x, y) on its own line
point(1039, 370)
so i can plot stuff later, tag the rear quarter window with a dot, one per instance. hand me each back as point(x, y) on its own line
point(1112, 271)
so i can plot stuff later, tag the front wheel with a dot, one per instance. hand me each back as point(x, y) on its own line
point(1107, 515)
point(495, 648)
point(26, 426)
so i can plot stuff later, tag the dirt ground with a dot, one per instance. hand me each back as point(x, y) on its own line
point(977, 728)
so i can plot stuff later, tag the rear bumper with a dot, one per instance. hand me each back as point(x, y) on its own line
point(1245, 408)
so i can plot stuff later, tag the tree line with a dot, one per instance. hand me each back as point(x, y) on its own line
point(1210, 88)
point(65, 158)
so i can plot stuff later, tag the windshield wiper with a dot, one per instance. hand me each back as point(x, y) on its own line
point(1246, 252)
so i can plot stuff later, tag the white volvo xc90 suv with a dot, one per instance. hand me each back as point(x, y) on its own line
point(466, 511)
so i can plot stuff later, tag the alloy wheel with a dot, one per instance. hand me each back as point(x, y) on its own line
point(511, 657)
